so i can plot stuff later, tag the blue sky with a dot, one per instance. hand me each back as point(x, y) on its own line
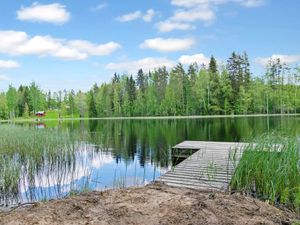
point(62, 44)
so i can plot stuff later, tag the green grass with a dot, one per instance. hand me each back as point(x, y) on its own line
point(270, 171)
point(50, 115)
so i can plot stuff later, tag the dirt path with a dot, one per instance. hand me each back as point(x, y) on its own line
point(153, 204)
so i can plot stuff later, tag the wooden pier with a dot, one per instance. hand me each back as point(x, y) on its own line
point(210, 166)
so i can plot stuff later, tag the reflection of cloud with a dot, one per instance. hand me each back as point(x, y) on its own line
point(100, 160)
point(64, 176)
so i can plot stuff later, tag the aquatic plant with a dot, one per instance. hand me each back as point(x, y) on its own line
point(26, 151)
point(270, 169)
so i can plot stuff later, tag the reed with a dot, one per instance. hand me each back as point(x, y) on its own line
point(26, 151)
point(269, 170)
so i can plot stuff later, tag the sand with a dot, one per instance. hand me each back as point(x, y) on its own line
point(152, 204)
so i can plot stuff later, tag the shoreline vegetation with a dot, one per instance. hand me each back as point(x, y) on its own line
point(269, 170)
point(183, 90)
point(21, 120)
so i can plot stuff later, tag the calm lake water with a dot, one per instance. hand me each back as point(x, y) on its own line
point(133, 152)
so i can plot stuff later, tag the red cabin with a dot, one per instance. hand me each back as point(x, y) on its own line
point(40, 113)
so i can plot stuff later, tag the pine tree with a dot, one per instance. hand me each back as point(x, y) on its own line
point(92, 106)
point(141, 81)
point(192, 74)
point(213, 68)
point(214, 91)
point(177, 86)
point(246, 70)
point(130, 94)
point(238, 67)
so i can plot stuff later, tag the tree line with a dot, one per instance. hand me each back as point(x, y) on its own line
point(196, 90)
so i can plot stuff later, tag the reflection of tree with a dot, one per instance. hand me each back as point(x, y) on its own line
point(143, 142)
point(151, 140)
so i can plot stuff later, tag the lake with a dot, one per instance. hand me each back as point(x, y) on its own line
point(123, 153)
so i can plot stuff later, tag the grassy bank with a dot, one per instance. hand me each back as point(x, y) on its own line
point(270, 170)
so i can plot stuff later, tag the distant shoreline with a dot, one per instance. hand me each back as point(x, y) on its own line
point(152, 117)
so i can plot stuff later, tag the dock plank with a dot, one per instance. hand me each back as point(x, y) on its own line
point(209, 167)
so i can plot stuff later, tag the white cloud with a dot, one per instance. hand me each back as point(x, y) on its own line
point(286, 59)
point(93, 49)
point(193, 3)
point(190, 11)
point(190, 59)
point(202, 13)
point(52, 13)
point(99, 7)
point(167, 26)
point(168, 45)
point(147, 64)
point(20, 43)
point(4, 78)
point(8, 64)
point(252, 3)
point(149, 15)
point(182, 19)
point(129, 17)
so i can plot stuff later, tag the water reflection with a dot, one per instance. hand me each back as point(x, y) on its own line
point(122, 153)
point(91, 168)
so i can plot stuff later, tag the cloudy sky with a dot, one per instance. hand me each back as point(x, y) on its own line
point(63, 44)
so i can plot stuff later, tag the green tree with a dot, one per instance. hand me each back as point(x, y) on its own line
point(12, 101)
point(81, 103)
point(226, 93)
point(192, 100)
point(92, 105)
point(202, 92)
point(26, 111)
point(71, 103)
point(23, 98)
point(3, 107)
point(37, 100)
point(214, 91)
point(243, 102)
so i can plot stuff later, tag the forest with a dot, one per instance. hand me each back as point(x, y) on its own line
point(196, 90)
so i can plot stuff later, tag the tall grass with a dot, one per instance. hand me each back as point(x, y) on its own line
point(26, 151)
point(270, 169)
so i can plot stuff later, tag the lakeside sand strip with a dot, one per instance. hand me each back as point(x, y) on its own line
point(152, 204)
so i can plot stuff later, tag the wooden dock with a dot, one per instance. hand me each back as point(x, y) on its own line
point(211, 166)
